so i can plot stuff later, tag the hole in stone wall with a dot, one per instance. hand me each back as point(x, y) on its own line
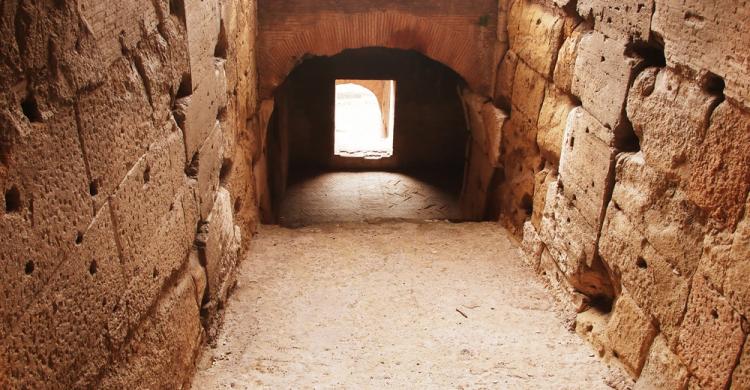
point(226, 170)
point(155, 273)
point(93, 267)
point(12, 200)
point(186, 87)
point(147, 175)
point(714, 314)
point(94, 187)
point(652, 54)
point(79, 238)
point(30, 109)
point(177, 8)
point(192, 169)
point(364, 118)
point(220, 51)
point(602, 303)
point(29, 268)
point(572, 141)
point(713, 84)
point(527, 204)
point(237, 205)
point(641, 263)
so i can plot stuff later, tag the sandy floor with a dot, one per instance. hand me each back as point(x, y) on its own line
point(393, 305)
point(364, 196)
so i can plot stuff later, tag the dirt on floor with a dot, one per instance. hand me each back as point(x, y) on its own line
point(393, 305)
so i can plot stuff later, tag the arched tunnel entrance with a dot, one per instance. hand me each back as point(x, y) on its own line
point(313, 180)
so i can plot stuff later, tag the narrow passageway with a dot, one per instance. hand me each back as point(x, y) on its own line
point(317, 197)
point(393, 305)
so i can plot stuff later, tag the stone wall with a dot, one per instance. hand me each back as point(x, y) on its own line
point(124, 163)
point(625, 166)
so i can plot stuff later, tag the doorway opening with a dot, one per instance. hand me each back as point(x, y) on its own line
point(365, 118)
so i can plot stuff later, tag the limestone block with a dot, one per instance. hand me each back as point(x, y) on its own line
point(553, 276)
point(209, 160)
point(659, 210)
point(203, 21)
point(653, 283)
point(114, 27)
point(45, 201)
point(264, 116)
point(670, 115)
point(553, 119)
point(591, 325)
point(571, 242)
point(473, 105)
point(162, 351)
point(566, 60)
point(663, 369)
point(504, 80)
point(219, 247)
point(528, 91)
point(116, 127)
point(521, 162)
point(532, 245)
point(720, 166)
point(203, 107)
point(711, 336)
point(708, 37)
point(542, 181)
point(535, 34)
point(494, 120)
point(741, 375)
point(627, 21)
point(62, 336)
point(630, 334)
point(587, 165)
point(603, 75)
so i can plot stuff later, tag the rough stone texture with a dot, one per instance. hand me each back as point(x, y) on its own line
point(628, 20)
point(630, 334)
point(603, 74)
point(655, 285)
point(708, 37)
point(741, 375)
point(535, 34)
point(566, 60)
point(209, 160)
point(528, 91)
point(506, 73)
point(663, 369)
point(553, 119)
point(711, 337)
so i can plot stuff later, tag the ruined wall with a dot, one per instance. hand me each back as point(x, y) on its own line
point(122, 128)
point(624, 164)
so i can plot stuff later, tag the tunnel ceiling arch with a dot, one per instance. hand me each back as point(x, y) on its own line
point(457, 33)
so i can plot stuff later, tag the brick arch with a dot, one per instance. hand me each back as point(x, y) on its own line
point(464, 43)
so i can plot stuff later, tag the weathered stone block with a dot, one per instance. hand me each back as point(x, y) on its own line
point(542, 181)
point(627, 21)
point(553, 119)
point(532, 245)
point(494, 120)
point(162, 351)
point(670, 115)
point(587, 165)
point(476, 184)
point(630, 334)
point(202, 108)
point(603, 75)
point(203, 18)
point(62, 336)
point(571, 242)
point(711, 336)
point(528, 91)
point(660, 211)
point(535, 34)
point(219, 247)
point(114, 27)
point(741, 375)
point(663, 369)
point(566, 60)
point(720, 166)
point(654, 284)
point(209, 160)
point(116, 127)
point(708, 37)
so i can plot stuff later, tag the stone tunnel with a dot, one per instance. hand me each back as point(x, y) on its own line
point(571, 176)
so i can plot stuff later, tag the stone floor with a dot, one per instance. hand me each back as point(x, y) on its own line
point(364, 196)
point(397, 305)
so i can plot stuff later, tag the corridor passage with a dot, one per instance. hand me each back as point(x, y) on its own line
point(393, 305)
point(366, 196)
